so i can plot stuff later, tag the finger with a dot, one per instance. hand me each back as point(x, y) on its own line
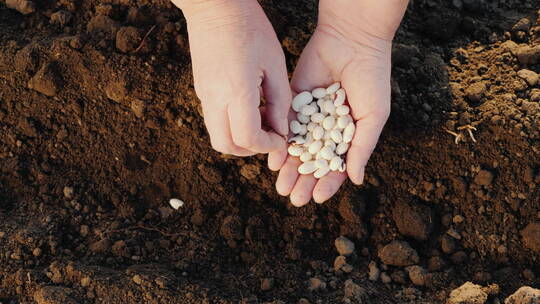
point(310, 72)
point(364, 141)
point(368, 90)
point(276, 159)
point(327, 186)
point(217, 124)
point(288, 175)
point(277, 92)
point(246, 127)
point(303, 190)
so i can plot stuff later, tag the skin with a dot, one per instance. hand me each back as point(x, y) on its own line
point(237, 59)
point(352, 44)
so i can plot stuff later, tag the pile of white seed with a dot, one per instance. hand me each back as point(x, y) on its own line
point(323, 130)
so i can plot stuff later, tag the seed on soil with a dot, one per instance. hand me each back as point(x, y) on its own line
point(176, 203)
point(323, 130)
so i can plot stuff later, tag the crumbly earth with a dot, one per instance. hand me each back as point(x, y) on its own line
point(100, 127)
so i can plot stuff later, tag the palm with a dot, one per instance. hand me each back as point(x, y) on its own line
point(364, 71)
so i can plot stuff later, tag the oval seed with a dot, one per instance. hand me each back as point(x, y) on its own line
point(309, 140)
point(300, 100)
point(176, 203)
point(299, 140)
point(295, 126)
point(303, 118)
point(315, 147)
point(342, 110)
point(343, 167)
point(342, 148)
point(333, 88)
point(343, 121)
point(340, 97)
point(306, 156)
point(328, 123)
point(336, 136)
point(295, 150)
point(317, 117)
point(303, 130)
point(319, 93)
point(318, 133)
point(321, 172)
point(327, 136)
point(321, 163)
point(329, 107)
point(335, 163)
point(348, 133)
point(308, 110)
point(331, 144)
point(327, 153)
point(307, 167)
point(311, 126)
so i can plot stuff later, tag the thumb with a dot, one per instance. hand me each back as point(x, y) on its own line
point(277, 93)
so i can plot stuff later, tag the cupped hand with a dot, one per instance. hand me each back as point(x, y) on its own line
point(237, 59)
point(362, 63)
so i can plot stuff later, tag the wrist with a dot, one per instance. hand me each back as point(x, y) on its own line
point(367, 20)
point(201, 11)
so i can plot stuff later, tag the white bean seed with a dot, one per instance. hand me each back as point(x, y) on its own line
point(319, 93)
point(321, 163)
point(340, 97)
point(321, 172)
point(335, 163)
point(311, 126)
point(330, 143)
point(328, 123)
point(309, 139)
point(317, 117)
point(342, 148)
point(308, 110)
point(327, 136)
point(333, 88)
point(303, 130)
point(348, 133)
point(295, 150)
point(329, 107)
point(306, 156)
point(299, 140)
point(176, 203)
point(295, 126)
point(318, 133)
point(300, 100)
point(343, 167)
point(307, 167)
point(303, 118)
point(342, 110)
point(336, 136)
point(343, 121)
point(327, 153)
point(315, 147)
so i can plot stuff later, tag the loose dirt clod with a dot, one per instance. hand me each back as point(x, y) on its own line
point(344, 246)
point(24, 7)
point(398, 253)
point(468, 293)
point(531, 236)
point(524, 295)
point(46, 81)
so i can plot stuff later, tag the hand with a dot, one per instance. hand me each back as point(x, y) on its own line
point(351, 51)
point(236, 59)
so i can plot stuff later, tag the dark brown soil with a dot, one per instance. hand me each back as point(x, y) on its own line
point(100, 127)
